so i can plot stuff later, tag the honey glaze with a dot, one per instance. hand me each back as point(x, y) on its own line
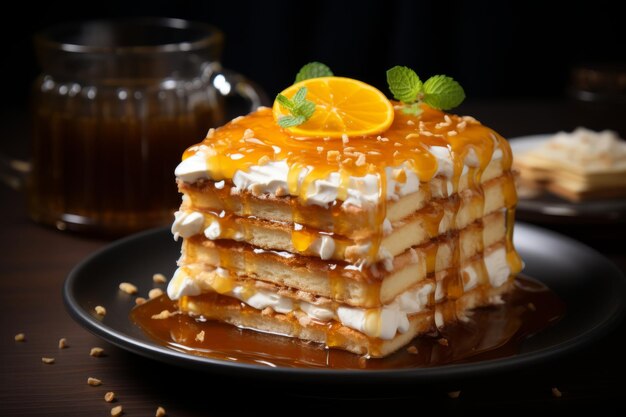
point(491, 333)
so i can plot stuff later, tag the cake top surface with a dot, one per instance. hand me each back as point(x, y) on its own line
point(334, 138)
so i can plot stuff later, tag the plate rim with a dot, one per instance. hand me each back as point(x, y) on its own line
point(365, 376)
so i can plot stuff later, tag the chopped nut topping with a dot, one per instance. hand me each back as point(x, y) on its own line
point(443, 341)
point(139, 301)
point(96, 352)
point(556, 393)
point(333, 155)
point(116, 411)
point(101, 311)
point(210, 133)
point(461, 125)
point(412, 350)
point(162, 315)
point(447, 119)
point(109, 397)
point(320, 149)
point(267, 311)
point(128, 288)
point(454, 394)
point(469, 119)
point(248, 133)
point(263, 160)
point(384, 139)
point(345, 139)
point(346, 161)
point(426, 133)
point(360, 161)
point(532, 307)
point(94, 382)
point(20, 337)
point(410, 122)
point(200, 336)
point(159, 279)
point(155, 292)
point(349, 149)
point(47, 361)
point(452, 133)
point(373, 153)
point(63, 343)
point(160, 412)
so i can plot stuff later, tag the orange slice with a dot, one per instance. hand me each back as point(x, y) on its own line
point(343, 106)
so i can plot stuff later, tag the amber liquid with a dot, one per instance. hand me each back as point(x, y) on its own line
point(110, 169)
point(492, 332)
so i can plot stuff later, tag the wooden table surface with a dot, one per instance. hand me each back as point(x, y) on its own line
point(34, 261)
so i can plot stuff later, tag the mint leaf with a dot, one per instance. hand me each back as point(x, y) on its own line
point(300, 108)
point(291, 121)
point(300, 95)
point(313, 70)
point(442, 92)
point(305, 110)
point(404, 84)
point(285, 102)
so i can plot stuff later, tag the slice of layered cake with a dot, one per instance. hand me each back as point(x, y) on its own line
point(355, 222)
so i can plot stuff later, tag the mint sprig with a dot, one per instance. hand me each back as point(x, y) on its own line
point(313, 70)
point(440, 91)
point(300, 108)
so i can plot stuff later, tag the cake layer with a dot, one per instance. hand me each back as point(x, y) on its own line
point(365, 286)
point(437, 217)
point(213, 306)
point(345, 220)
point(382, 322)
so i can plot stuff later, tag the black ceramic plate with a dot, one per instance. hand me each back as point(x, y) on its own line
point(549, 207)
point(591, 286)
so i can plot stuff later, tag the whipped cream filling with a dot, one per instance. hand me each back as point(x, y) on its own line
point(383, 322)
point(187, 223)
point(271, 178)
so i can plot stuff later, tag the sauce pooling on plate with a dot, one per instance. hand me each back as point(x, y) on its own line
point(489, 333)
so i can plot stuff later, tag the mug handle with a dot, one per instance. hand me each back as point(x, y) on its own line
point(230, 83)
point(13, 172)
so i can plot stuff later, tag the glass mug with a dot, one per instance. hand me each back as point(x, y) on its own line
point(115, 107)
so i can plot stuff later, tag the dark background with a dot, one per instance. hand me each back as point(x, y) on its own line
point(496, 49)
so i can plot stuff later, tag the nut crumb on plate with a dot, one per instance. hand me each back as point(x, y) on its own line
point(117, 411)
point(160, 412)
point(412, 350)
point(139, 301)
point(101, 311)
point(162, 315)
point(47, 361)
point(159, 279)
point(109, 397)
point(556, 392)
point(94, 382)
point(96, 352)
point(20, 337)
point(63, 343)
point(128, 288)
point(200, 336)
point(155, 292)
